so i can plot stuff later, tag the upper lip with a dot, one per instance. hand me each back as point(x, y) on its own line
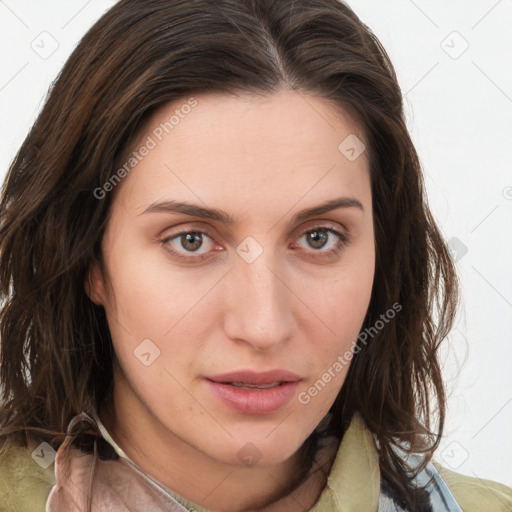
point(252, 377)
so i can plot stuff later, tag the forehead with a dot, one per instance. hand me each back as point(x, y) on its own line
point(240, 148)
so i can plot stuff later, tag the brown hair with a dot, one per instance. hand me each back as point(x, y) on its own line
point(56, 352)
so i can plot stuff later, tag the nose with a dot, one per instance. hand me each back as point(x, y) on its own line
point(260, 304)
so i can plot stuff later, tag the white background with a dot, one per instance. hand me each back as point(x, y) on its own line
point(459, 110)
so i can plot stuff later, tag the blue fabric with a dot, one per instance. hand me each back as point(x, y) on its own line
point(440, 497)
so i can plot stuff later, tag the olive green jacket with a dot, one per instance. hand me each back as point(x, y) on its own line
point(354, 483)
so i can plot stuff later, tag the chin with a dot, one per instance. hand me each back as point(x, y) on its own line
point(257, 451)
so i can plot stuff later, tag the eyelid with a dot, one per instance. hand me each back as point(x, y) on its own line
point(199, 227)
point(318, 224)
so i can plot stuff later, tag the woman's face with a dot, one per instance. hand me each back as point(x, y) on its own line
point(270, 285)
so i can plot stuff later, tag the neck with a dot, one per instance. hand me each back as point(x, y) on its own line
point(223, 487)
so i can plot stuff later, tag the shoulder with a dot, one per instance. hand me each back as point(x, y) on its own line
point(26, 477)
point(475, 494)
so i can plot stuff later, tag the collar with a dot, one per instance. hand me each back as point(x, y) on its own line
point(354, 481)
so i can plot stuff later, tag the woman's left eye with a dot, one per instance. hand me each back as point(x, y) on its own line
point(324, 241)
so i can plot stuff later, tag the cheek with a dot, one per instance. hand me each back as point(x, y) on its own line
point(151, 294)
point(341, 304)
point(157, 302)
point(331, 354)
point(341, 300)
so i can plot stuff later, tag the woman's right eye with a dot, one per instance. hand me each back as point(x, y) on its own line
point(189, 242)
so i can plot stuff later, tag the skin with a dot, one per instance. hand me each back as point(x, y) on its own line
point(262, 160)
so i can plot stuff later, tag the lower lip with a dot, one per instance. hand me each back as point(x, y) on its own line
point(255, 401)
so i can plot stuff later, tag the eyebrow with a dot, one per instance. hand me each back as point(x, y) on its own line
point(195, 210)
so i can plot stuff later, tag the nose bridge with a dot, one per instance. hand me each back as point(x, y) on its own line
point(260, 312)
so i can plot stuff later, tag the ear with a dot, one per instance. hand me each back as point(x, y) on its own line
point(94, 284)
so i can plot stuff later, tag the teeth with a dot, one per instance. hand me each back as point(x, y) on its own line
point(254, 386)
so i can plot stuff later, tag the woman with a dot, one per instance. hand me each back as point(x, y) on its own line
point(220, 275)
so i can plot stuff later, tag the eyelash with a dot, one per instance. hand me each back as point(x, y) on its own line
point(343, 241)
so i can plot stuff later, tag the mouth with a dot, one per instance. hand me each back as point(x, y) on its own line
point(244, 385)
point(252, 378)
point(253, 393)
